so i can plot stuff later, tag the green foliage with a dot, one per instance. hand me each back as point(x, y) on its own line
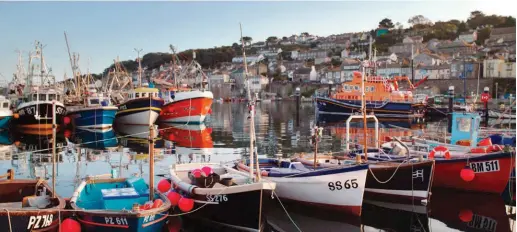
point(509, 22)
point(271, 40)
point(419, 20)
point(309, 92)
point(482, 35)
point(443, 31)
point(477, 19)
point(336, 62)
point(384, 41)
point(386, 23)
point(247, 40)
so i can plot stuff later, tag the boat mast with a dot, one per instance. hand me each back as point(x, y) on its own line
point(174, 65)
point(139, 67)
point(151, 153)
point(73, 66)
point(54, 140)
point(251, 106)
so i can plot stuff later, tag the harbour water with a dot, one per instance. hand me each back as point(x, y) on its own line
point(281, 129)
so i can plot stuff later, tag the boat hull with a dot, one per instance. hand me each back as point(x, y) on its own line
point(188, 107)
point(5, 121)
point(37, 220)
point(93, 117)
point(486, 179)
point(328, 106)
point(141, 111)
point(323, 188)
point(407, 182)
point(97, 222)
point(36, 118)
point(231, 213)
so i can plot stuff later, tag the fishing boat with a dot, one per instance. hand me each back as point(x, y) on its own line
point(183, 104)
point(28, 204)
point(97, 112)
point(119, 204)
point(93, 138)
point(109, 203)
point(340, 188)
point(142, 105)
point(35, 106)
point(478, 172)
point(382, 98)
point(219, 190)
point(6, 114)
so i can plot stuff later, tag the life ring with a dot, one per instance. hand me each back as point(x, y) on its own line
point(443, 149)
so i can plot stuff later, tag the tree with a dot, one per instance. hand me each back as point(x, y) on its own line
point(419, 20)
point(482, 35)
point(386, 23)
point(247, 40)
point(284, 38)
point(445, 31)
point(508, 22)
point(462, 27)
point(305, 34)
point(271, 40)
point(235, 45)
point(475, 14)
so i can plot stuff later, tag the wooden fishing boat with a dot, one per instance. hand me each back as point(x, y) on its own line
point(28, 205)
point(118, 204)
point(341, 187)
point(97, 112)
point(219, 197)
point(408, 181)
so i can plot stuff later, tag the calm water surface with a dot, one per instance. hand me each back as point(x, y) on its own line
point(280, 130)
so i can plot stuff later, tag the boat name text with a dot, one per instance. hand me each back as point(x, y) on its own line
point(36, 222)
point(117, 221)
point(337, 185)
point(216, 198)
point(485, 166)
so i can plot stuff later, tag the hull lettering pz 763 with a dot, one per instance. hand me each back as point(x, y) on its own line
point(40, 221)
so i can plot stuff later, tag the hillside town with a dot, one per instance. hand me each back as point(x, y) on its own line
point(307, 59)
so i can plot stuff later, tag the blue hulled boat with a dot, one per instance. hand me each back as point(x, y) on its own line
point(95, 139)
point(382, 97)
point(96, 113)
point(119, 204)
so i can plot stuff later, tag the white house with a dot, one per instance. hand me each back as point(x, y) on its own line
point(498, 68)
point(428, 59)
point(391, 70)
point(433, 72)
point(348, 67)
point(468, 37)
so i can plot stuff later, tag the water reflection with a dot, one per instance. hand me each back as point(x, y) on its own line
point(225, 138)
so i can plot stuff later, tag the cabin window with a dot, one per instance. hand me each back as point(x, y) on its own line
point(372, 89)
point(356, 88)
point(5, 105)
point(42, 97)
point(94, 101)
point(34, 97)
point(464, 124)
point(137, 95)
point(51, 97)
point(58, 98)
point(144, 94)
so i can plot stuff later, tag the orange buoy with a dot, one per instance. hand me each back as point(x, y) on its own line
point(466, 215)
point(186, 204)
point(485, 142)
point(467, 174)
point(157, 203)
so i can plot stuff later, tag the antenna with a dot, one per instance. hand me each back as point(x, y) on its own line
point(139, 67)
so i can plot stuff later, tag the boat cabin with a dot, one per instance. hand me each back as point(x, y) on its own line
point(465, 128)
point(143, 92)
point(5, 104)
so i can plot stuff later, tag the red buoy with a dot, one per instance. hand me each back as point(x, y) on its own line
point(174, 197)
point(66, 120)
point(186, 204)
point(207, 170)
point(70, 225)
point(467, 174)
point(197, 173)
point(67, 133)
point(164, 185)
point(466, 215)
point(485, 142)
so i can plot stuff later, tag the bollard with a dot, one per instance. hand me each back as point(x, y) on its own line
point(298, 96)
point(485, 96)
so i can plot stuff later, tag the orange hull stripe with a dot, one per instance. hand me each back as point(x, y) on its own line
point(185, 108)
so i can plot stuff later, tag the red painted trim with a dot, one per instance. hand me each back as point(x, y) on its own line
point(101, 224)
point(155, 221)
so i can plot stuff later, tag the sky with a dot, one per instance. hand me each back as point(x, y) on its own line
point(101, 31)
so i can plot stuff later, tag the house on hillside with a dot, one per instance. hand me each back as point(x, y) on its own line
point(301, 75)
point(408, 45)
point(498, 68)
point(348, 67)
point(393, 69)
point(506, 34)
point(426, 59)
point(457, 48)
point(460, 69)
point(433, 72)
point(312, 54)
point(468, 37)
point(260, 44)
point(334, 74)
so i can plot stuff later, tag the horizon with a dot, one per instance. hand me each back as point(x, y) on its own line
point(101, 31)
